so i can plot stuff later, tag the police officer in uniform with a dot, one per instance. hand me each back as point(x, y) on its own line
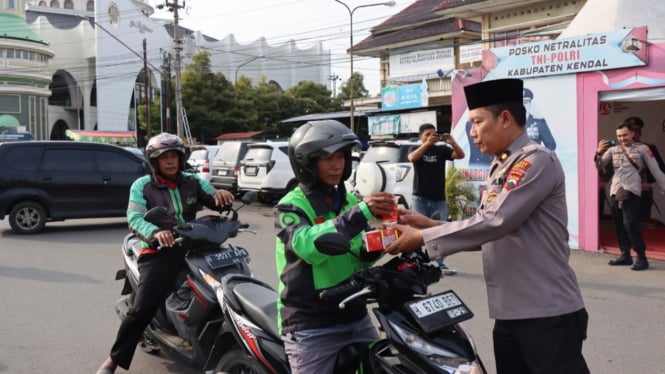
point(628, 159)
point(537, 128)
point(521, 226)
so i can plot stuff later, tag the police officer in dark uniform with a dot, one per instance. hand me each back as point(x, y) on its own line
point(521, 226)
point(537, 128)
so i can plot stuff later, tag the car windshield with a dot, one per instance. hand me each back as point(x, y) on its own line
point(228, 151)
point(382, 153)
point(258, 154)
point(199, 154)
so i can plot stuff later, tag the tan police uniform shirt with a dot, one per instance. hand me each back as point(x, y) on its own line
point(625, 174)
point(521, 224)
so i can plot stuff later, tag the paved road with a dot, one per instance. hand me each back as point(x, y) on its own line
point(58, 293)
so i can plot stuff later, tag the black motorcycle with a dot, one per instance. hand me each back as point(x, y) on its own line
point(422, 333)
point(190, 319)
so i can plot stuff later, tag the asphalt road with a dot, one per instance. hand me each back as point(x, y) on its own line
point(58, 290)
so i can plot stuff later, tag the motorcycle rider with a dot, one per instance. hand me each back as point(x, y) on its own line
point(182, 193)
point(313, 330)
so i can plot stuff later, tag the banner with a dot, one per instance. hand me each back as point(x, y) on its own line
point(124, 138)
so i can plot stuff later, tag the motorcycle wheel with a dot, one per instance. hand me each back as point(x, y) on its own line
point(236, 361)
point(148, 344)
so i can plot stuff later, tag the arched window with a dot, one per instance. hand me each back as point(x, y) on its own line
point(42, 3)
point(90, 6)
point(69, 4)
point(55, 4)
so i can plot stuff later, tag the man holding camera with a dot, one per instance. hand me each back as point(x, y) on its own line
point(429, 180)
point(628, 159)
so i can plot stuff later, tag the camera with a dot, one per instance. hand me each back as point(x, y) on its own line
point(443, 137)
point(613, 143)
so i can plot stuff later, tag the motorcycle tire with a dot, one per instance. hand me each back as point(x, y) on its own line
point(236, 361)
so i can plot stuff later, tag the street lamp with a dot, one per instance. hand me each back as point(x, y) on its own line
point(351, 11)
point(238, 68)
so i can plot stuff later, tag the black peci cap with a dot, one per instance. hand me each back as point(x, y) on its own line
point(635, 123)
point(498, 91)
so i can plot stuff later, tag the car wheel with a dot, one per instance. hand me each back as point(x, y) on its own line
point(28, 217)
point(370, 178)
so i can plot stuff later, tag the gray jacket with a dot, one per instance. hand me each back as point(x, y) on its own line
point(521, 225)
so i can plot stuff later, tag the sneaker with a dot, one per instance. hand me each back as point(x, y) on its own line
point(445, 270)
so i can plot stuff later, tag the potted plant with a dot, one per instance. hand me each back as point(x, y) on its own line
point(459, 193)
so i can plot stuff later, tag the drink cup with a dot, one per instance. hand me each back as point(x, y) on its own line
point(391, 219)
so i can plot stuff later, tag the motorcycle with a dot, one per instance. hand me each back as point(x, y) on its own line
point(422, 332)
point(190, 319)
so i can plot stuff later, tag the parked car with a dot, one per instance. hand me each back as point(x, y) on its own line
point(266, 169)
point(385, 167)
point(226, 164)
point(43, 181)
point(200, 159)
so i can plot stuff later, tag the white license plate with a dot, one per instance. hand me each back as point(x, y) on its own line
point(251, 171)
point(434, 304)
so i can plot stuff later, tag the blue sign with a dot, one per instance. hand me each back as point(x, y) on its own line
point(403, 97)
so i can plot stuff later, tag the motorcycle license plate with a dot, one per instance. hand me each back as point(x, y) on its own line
point(438, 311)
point(227, 258)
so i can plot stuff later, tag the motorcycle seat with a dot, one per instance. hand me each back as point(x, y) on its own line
point(132, 245)
point(260, 304)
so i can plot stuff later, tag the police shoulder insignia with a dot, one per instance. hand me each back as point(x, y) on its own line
point(516, 174)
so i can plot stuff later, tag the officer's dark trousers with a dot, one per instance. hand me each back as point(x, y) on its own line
point(158, 274)
point(627, 223)
point(550, 345)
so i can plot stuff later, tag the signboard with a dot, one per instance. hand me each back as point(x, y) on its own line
point(399, 123)
point(591, 52)
point(469, 53)
point(383, 125)
point(410, 122)
point(421, 64)
point(404, 97)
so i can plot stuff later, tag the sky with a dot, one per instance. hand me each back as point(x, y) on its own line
point(305, 21)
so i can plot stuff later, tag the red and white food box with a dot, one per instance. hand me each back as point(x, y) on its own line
point(378, 240)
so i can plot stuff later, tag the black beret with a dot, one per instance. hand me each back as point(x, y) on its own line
point(498, 91)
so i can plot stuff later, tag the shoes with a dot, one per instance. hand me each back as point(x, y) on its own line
point(106, 370)
point(623, 259)
point(640, 264)
point(445, 270)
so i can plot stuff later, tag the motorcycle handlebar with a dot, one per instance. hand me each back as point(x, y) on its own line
point(351, 286)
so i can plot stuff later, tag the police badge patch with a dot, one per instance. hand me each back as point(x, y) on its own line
point(515, 174)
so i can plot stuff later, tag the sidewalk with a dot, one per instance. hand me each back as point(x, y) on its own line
point(626, 311)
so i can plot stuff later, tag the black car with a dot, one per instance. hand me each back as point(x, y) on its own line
point(44, 181)
point(225, 168)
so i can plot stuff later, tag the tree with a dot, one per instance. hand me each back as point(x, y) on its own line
point(208, 99)
point(356, 83)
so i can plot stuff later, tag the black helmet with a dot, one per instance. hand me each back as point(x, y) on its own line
point(319, 139)
point(164, 142)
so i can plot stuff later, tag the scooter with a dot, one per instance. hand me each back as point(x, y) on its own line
point(422, 332)
point(186, 325)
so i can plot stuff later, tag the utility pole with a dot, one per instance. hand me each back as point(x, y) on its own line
point(177, 48)
point(166, 93)
point(146, 82)
point(334, 78)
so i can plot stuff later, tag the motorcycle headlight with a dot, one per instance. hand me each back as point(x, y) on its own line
point(443, 358)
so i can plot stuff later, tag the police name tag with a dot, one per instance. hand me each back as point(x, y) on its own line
point(438, 311)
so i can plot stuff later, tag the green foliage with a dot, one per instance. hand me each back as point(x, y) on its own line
point(357, 84)
point(459, 193)
point(214, 106)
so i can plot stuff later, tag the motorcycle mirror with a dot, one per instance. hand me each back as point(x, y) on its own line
point(332, 244)
point(155, 214)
